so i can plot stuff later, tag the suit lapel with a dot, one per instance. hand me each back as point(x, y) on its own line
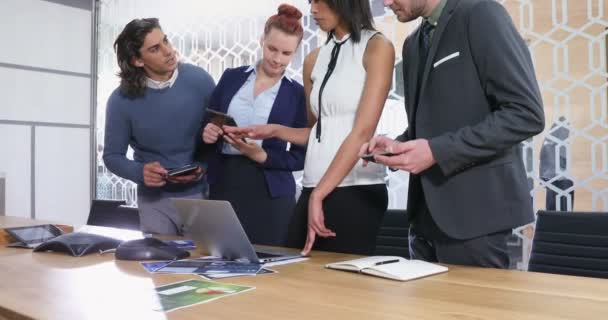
point(233, 88)
point(276, 113)
point(443, 22)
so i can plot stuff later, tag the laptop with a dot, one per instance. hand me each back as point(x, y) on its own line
point(215, 224)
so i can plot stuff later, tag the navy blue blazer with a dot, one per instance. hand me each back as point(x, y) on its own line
point(289, 109)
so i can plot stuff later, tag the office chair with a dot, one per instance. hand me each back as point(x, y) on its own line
point(572, 243)
point(111, 213)
point(392, 238)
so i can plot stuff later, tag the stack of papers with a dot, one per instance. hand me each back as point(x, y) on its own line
point(211, 267)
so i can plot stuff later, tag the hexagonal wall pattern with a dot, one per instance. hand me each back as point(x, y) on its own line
point(567, 40)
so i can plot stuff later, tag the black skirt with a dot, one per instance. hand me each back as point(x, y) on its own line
point(264, 218)
point(354, 213)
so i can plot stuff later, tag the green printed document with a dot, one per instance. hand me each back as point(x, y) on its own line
point(190, 292)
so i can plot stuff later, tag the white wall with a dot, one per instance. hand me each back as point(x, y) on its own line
point(15, 163)
point(45, 111)
point(46, 34)
point(62, 183)
point(44, 97)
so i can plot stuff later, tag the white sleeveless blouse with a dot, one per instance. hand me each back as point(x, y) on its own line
point(340, 101)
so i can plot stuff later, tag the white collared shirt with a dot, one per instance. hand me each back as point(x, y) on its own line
point(341, 99)
point(248, 110)
point(154, 84)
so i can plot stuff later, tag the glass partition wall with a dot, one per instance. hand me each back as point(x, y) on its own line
point(567, 40)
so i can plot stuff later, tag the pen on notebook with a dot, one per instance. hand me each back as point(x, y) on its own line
point(386, 262)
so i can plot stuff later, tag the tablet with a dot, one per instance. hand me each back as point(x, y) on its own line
point(32, 236)
point(220, 119)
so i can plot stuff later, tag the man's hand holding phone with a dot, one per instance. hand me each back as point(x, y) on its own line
point(157, 176)
point(377, 146)
point(183, 170)
point(185, 174)
point(372, 157)
point(413, 156)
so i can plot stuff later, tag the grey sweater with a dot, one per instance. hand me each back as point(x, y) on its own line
point(163, 125)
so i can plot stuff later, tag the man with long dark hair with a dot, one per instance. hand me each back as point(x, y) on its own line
point(157, 110)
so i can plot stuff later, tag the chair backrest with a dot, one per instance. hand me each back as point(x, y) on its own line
point(572, 243)
point(392, 238)
point(111, 213)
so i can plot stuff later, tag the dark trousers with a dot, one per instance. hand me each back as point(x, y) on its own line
point(354, 213)
point(264, 218)
point(428, 242)
point(158, 215)
point(485, 251)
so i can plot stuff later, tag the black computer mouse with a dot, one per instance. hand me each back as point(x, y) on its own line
point(149, 249)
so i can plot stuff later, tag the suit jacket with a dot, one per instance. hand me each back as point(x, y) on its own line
point(479, 99)
point(289, 109)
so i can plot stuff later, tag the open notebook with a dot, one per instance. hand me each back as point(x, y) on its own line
point(392, 267)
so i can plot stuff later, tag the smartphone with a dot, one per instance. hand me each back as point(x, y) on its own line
point(370, 157)
point(182, 171)
point(220, 119)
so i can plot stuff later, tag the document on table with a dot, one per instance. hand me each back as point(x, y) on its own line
point(192, 292)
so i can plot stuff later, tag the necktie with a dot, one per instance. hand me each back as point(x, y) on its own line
point(330, 69)
point(425, 45)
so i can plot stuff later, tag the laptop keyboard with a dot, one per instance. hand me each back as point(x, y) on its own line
point(263, 255)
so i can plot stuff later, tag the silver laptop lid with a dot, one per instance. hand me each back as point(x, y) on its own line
point(215, 225)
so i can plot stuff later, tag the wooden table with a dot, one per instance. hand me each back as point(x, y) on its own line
point(56, 286)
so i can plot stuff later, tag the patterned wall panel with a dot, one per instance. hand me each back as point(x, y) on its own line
point(216, 40)
point(567, 40)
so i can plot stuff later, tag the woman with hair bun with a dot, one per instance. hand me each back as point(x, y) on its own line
point(346, 81)
point(256, 176)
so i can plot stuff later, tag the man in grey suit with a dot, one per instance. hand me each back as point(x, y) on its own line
point(471, 97)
